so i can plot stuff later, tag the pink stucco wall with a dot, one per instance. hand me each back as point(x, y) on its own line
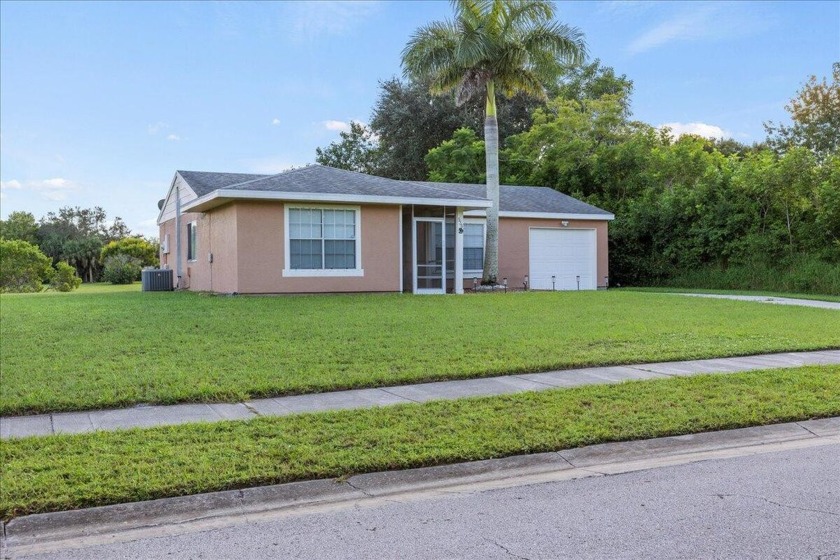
point(514, 239)
point(514, 242)
point(246, 240)
point(198, 274)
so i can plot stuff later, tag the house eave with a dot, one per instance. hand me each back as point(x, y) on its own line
point(224, 196)
point(545, 215)
point(166, 199)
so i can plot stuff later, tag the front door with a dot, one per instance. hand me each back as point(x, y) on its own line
point(429, 262)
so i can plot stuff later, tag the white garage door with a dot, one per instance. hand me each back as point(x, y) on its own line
point(567, 254)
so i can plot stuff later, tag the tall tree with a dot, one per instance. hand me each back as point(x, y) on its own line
point(815, 112)
point(76, 235)
point(586, 82)
point(514, 45)
point(356, 151)
point(409, 121)
point(20, 225)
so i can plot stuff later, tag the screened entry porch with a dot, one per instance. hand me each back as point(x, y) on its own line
point(441, 249)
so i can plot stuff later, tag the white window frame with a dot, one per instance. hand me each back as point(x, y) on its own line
point(483, 224)
point(289, 272)
point(194, 245)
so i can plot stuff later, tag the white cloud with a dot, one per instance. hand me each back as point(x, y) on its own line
point(156, 127)
point(339, 126)
point(13, 184)
point(275, 122)
point(51, 189)
point(162, 127)
point(697, 128)
point(684, 27)
point(310, 20)
point(702, 21)
point(147, 228)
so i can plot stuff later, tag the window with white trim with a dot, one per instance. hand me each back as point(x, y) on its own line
point(473, 260)
point(322, 239)
point(473, 247)
point(192, 238)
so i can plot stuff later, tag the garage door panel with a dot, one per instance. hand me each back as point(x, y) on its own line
point(567, 254)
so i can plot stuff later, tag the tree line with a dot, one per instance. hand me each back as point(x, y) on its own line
point(71, 244)
point(690, 211)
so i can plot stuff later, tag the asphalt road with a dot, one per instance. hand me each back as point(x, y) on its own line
point(777, 505)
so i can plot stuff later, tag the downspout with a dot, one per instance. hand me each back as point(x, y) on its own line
point(178, 265)
point(210, 247)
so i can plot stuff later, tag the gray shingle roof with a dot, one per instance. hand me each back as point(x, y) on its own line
point(319, 179)
point(515, 198)
point(205, 182)
point(329, 180)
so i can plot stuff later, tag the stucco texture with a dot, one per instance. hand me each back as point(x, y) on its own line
point(246, 241)
point(514, 250)
point(248, 252)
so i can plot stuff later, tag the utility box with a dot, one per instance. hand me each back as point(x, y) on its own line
point(157, 280)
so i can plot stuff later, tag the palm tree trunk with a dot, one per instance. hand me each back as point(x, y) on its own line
point(491, 154)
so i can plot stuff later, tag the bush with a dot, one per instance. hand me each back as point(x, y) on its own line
point(23, 267)
point(65, 278)
point(805, 274)
point(138, 248)
point(121, 269)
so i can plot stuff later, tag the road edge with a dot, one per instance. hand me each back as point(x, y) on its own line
point(47, 532)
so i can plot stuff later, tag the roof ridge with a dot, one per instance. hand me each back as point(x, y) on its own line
point(434, 185)
point(484, 185)
point(220, 172)
point(270, 176)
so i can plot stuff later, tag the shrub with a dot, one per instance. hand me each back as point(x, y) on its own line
point(65, 278)
point(138, 248)
point(23, 267)
point(121, 269)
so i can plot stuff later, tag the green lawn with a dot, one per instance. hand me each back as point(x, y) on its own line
point(735, 293)
point(105, 347)
point(65, 472)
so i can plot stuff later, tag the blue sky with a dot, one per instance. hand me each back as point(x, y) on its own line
point(101, 102)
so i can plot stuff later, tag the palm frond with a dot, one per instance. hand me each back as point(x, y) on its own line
point(521, 80)
point(565, 43)
point(471, 47)
point(430, 49)
point(473, 11)
point(521, 14)
point(511, 42)
point(446, 80)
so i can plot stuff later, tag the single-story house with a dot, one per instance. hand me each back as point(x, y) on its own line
point(321, 229)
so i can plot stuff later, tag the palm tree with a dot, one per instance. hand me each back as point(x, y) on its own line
point(512, 45)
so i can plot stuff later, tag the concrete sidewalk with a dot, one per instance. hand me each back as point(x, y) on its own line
point(771, 299)
point(50, 532)
point(148, 416)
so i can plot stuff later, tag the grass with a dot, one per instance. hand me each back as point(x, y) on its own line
point(817, 297)
point(54, 473)
point(104, 347)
